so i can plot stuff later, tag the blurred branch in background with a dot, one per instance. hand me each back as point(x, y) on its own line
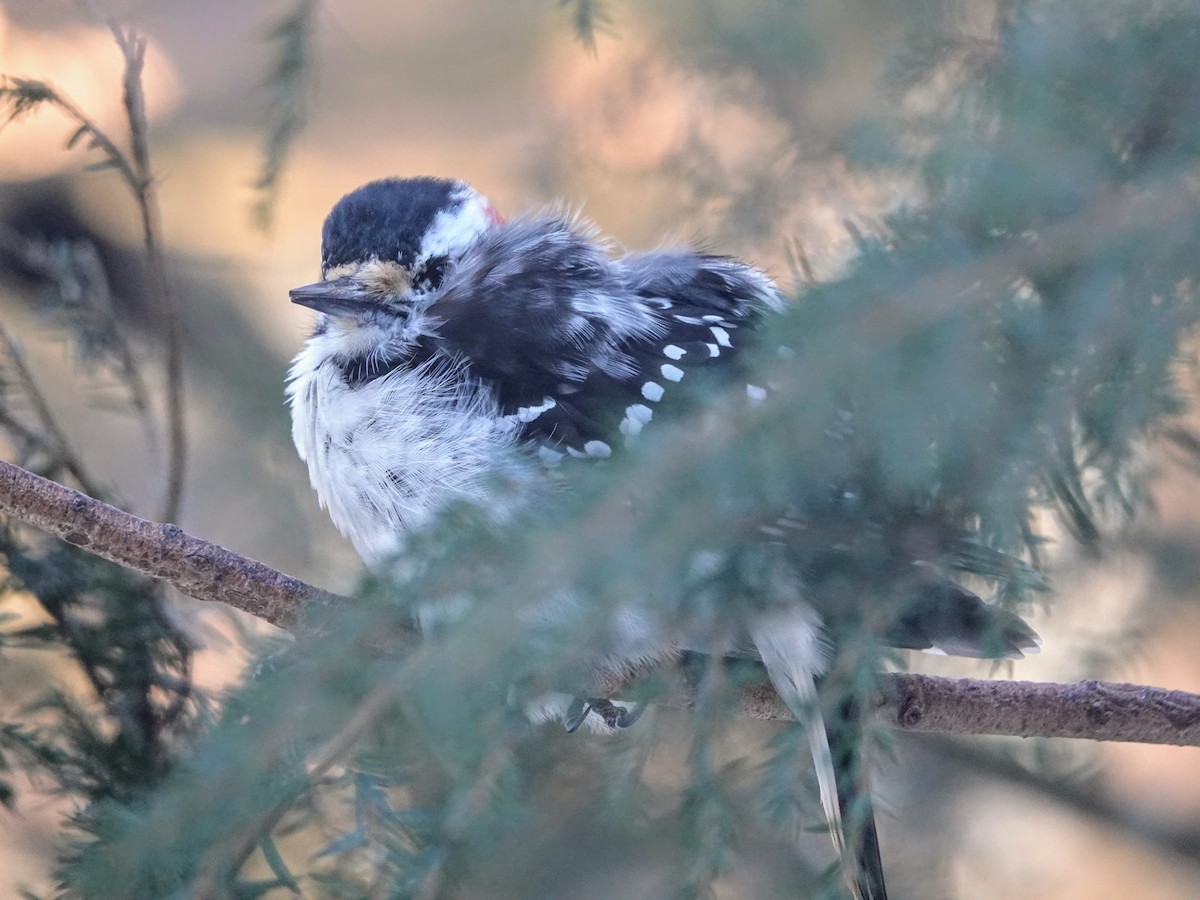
point(47, 437)
point(1087, 800)
point(22, 96)
point(133, 47)
point(590, 19)
point(288, 86)
point(82, 306)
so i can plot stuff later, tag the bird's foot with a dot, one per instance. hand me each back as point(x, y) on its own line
point(614, 715)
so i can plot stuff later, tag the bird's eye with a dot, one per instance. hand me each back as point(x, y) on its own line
point(433, 272)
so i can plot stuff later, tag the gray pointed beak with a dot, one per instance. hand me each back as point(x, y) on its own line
point(336, 297)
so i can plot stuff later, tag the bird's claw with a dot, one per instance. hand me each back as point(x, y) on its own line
point(614, 715)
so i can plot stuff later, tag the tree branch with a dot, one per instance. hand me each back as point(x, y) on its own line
point(1095, 710)
point(1092, 710)
point(194, 566)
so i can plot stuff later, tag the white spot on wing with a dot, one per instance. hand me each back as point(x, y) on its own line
point(755, 393)
point(639, 413)
point(652, 391)
point(713, 350)
point(527, 414)
point(672, 352)
point(598, 449)
point(721, 335)
point(671, 373)
point(636, 417)
point(689, 320)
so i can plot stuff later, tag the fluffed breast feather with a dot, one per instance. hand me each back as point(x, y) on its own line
point(381, 476)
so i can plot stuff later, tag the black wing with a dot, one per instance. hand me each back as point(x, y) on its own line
point(582, 349)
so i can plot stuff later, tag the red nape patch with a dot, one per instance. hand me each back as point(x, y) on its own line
point(492, 215)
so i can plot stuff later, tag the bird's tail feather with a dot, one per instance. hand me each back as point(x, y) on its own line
point(863, 863)
point(791, 649)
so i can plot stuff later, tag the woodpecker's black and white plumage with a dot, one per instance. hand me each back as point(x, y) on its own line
point(478, 337)
point(457, 357)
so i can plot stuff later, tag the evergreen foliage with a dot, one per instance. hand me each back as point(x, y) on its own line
point(1007, 345)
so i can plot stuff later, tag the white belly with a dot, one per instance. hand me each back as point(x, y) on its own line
point(387, 455)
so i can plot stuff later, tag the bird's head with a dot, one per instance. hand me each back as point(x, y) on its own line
point(390, 244)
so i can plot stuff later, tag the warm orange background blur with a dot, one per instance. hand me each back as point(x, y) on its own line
point(654, 138)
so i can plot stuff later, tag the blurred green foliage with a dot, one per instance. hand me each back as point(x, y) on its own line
point(1009, 342)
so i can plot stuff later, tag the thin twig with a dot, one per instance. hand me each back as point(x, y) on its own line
point(27, 440)
point(59, 446)
point(133, 47)
point(26, 93)
point(288, 85)
point(231, 855)
point(80, 278)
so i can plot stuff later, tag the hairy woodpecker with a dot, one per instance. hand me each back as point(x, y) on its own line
point(456, 353)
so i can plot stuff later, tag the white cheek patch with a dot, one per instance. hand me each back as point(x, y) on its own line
point(454, 229)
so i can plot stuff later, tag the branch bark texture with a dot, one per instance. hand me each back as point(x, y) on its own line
point(1093, 710)
point(194, 566)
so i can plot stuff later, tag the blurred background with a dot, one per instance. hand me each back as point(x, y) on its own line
point(718, 123)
